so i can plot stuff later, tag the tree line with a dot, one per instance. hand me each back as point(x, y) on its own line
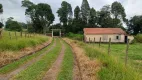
point(41, 17)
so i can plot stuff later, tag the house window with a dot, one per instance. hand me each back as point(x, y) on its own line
point(118, 37)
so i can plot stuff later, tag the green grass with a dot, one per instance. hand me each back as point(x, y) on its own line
point(38, 69)
point(14, 45)
point(113, 67)
point(16, 64)
point(134, 54)
point(66, 72)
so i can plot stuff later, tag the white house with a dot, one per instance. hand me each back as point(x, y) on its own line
point(117, 35)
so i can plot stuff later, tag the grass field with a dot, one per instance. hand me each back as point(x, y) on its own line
point(17, 43)
point(134, 54)
point(113, 67)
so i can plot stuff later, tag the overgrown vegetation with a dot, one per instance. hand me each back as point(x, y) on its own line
point(66, 72)
point(75, 36)
point(138, 38)
point(17, 43)
point(112, 66)
point(39, 68)
point(16, 64)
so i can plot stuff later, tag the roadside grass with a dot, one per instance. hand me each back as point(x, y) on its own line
point(112, 66)
point(18, 63)
point(134, 54)
point(66, 72)
point(21, 42)
point(38, 69)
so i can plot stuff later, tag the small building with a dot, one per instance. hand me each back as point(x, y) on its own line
point(117, 35)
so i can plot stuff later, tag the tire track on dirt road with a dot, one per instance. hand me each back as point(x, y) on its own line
point(27, 64)
point(52, 73)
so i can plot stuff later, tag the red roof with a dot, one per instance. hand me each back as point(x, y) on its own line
point(104, 31)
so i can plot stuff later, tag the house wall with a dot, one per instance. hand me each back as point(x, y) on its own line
point(105, 38)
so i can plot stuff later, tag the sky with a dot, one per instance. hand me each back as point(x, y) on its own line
point(12, 8)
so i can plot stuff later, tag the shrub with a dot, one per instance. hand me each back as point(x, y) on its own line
point(139, 38)
point(75, 36)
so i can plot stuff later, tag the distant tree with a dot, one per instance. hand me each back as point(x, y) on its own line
point(104, 17)
point(13, 25)
point(135, 25)
point(45, 15)
point(41, 15)
point(23, 25)
point(92, 19)
point(65, 14)
point(1, 8)
point(1, 25)
point(118, 12)
point(78, 24)
point(77, 13)
point(85, 11)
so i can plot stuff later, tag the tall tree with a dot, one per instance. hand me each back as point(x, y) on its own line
point(45, 15)
point(85, 11)
point(77, 12)
point(65, 14)
point(118, 12)
point(135, 25)
point(41, 15)
point(92, 19)
point(104, 17)
point(1, 8)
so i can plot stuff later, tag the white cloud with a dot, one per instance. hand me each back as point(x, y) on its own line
point(12, 8)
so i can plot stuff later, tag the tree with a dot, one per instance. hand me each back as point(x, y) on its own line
point(85, 11)
point(13, 25)
point(104, 17)
point(77, 24)
point(1, 25)
point(135, 25)
point(45, 15)
point(65, 14)
point(118, 12)
point(92, 19)
point(41, 15)
point(1, 8)
point(77, 12)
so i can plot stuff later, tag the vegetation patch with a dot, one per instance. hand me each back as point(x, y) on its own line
point(75, 36)
point(17, 42)
point(113, 67)
point(66, 72)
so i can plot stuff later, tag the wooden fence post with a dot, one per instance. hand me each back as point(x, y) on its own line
point(89, 40)
point(15, 35)
point(10, 35)
point(126, 56)
point(21, 33)
point(100, 42)
point(109, 46)
point(25, 34)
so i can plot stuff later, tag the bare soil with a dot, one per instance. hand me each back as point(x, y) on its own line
point(24, 66)
point(54, 70)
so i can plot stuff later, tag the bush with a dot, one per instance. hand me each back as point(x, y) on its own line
point(139, 38)
point(75, 36)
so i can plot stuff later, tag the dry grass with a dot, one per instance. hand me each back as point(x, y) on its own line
point(7, 57)
point(88, 68)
